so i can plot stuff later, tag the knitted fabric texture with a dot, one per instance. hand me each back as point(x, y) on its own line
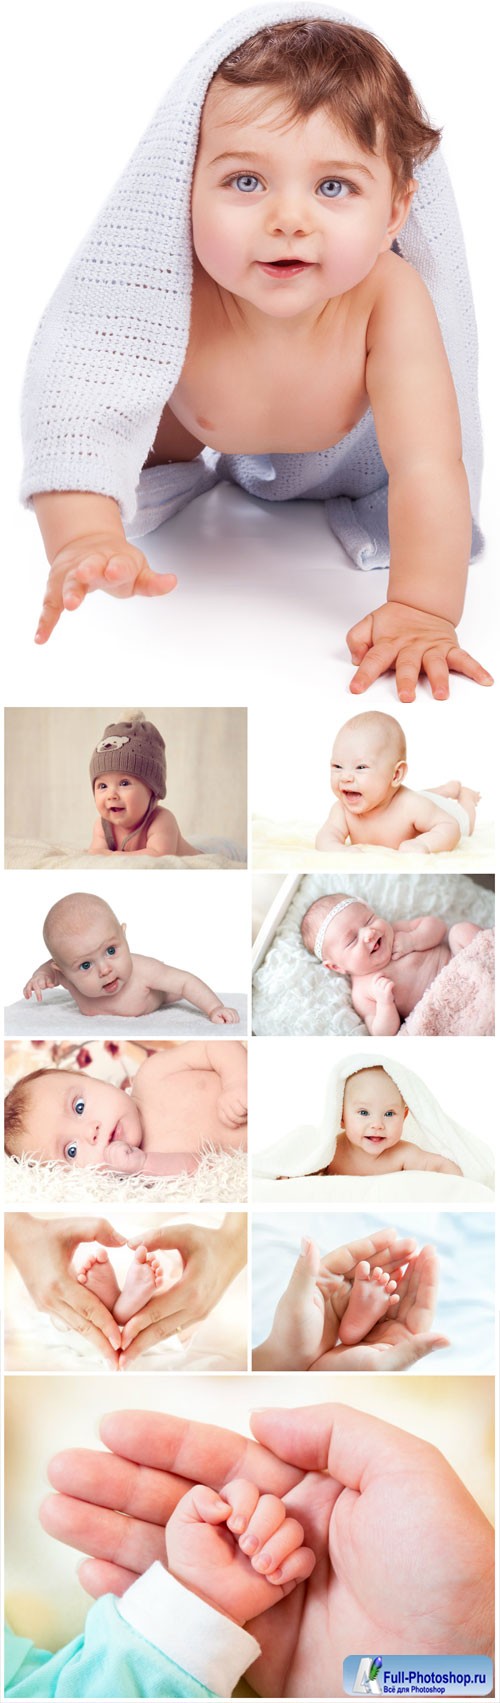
point(132, 748)
point(112, 343)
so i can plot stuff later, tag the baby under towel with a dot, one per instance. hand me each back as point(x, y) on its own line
point(293, 994)
point(291, 845)
point(89, 420)
point(309, 1148)
point(58, 1015)
point(40, 854)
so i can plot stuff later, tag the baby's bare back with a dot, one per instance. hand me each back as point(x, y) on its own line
point(178, 1106)
point(243, 391)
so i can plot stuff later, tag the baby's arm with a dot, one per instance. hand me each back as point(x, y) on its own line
point(230, 1062)
point(378, 1007)
point(87, 550)
point(163, 834)
point(418, 1159)
point(47, 976)
point(131, 1161)
point(434, 830)
point(181, 984)
point(239, 1551)
point(418, 934)
point(418, 430)
point(99, 842)
point(334, 831)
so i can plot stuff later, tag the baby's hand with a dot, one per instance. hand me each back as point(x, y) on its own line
point(240, 1551)
point(383, 990)
point(43, 978)
point(224, 1014)
point(232, 1107)
point(419, 844)
point(102, 561)
point(397, 636)
point(121, 1157)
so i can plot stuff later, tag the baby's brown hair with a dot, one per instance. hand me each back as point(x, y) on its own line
point(16, 1110)
point(318, 62)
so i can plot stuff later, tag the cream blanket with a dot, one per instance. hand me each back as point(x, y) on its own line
point(40, 854)
point(290, 845)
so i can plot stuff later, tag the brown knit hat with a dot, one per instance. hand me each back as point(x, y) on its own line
point(132, 747)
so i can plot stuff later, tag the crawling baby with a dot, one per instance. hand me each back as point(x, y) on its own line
point(367, 771)
point(370, 1141)
point(350, 939)
point(91, 959)
point(128, 776)
point(193, 1093)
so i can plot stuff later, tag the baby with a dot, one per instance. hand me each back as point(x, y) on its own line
point(128, 775)
point(306, 326)
point(178, 1630)
point(367, 770)
point(180, 1099)
point(348, 938)
point(91, 959)
point(143, 1279)
point(370, 1142)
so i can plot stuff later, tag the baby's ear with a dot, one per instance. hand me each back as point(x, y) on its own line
point(401, 770)
point(406, 1110)
point(329, 965)
point(401, 203)
point(123, 927)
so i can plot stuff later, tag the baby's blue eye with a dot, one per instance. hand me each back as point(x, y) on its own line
point(363, 1113)
point(86, 964)
point(111, 951)
point(246, 182)
point(79, 1107)
point(71, 1151)
point(332, 188)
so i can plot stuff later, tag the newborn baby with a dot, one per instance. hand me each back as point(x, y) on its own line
point(348, 938)
point(144, 1276)
point(370, 1141)
point(367, 770)
point(180, 1099)
point(90, 957)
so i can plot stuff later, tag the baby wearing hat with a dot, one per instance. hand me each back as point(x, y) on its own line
point(128, 773)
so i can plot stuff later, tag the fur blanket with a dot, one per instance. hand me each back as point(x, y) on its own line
point(461, 1000)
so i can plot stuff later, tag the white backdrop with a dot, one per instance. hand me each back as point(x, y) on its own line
point(200, 925)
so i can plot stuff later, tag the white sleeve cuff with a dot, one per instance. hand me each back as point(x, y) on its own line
point(204, 1643)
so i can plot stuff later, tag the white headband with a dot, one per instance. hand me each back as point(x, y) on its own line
point(318, 944)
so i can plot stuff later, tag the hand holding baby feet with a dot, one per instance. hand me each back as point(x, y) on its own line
point(412, 642)
point(373, 1293)
point(240, 1550)
point(98, 562)
point(144, 1278)
point(98, 1275)
point(224, 1014)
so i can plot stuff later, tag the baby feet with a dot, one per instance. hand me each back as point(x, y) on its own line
point(143, 1277)
point(98, 1275)
point(372, 1293)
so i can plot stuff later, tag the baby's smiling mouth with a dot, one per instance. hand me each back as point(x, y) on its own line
point(110, 987)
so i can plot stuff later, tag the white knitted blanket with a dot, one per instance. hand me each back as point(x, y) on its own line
point(112, 342)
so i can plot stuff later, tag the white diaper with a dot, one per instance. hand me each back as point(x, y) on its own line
point(453, 808)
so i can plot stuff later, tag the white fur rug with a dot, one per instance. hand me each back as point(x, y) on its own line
point(294, 995)
point(220, 1177)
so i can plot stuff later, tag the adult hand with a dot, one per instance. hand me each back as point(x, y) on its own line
point(212, 1258)
point(396, 636)
point(404, 1336)
point(390, 1523)
point(42, 1249)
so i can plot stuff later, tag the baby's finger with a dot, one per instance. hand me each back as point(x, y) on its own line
point(243, 1497)
point(377, 661)
point(461, 663)
point(436, 669)
point(297, 1566)
point(149, 584)
point(278, 1547)
point(359, 638)
point(269, 1515)
point(202, 1503)
point(52, 608)
point(408, 666)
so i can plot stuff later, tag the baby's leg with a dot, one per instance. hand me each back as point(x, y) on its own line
point(372, 1293)
point(460, 935)
point(464, 796)
point(144, 1276)
point(98, 1275)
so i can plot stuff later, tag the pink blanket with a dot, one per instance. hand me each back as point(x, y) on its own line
point(461, 1001)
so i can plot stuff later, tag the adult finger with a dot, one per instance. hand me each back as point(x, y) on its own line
point(94, 1230)
point(168, 1236)
point(101, 1578)
point(100, 1480)
point(165, 1320)
point(352, 1446)
point(205, 1453)
point(408, 666)
point(104, 1337)
point(379, 660)
point(152, 1334)
point(462, 663)
point(421, 1298)
point(404, 1354)
point(436, 668)
point(135, 1544)
point(384, 1247)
